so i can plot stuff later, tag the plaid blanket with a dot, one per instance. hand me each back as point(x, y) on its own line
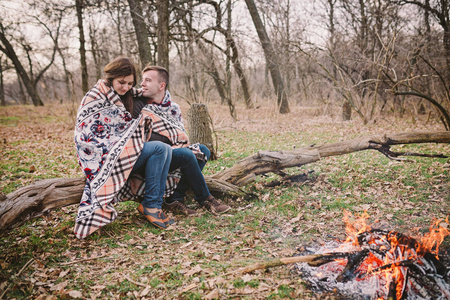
point(108, 142)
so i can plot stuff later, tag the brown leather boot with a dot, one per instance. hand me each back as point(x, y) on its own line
point(178, 208)
point(214, 206)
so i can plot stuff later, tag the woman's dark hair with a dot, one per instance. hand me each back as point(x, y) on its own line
point(121, 67)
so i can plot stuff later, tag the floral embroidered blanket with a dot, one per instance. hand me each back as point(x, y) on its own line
point(108, 142)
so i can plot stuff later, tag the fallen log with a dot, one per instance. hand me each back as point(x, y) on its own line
point(264, 162)
point(42, 196)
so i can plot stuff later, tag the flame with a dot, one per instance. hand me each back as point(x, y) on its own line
point(430, 242)
point(398, 249)
point(356, 227)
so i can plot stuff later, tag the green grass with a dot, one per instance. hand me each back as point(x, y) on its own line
point(401, 195)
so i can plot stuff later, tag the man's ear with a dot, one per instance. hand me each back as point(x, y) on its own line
point(162, 86)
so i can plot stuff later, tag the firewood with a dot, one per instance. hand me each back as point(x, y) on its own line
point(314, 260)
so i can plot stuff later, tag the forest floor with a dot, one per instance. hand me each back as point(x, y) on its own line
point(129, 258)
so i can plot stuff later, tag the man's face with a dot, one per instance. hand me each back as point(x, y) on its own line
point(152, 87)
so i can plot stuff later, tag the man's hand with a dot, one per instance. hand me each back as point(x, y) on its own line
point(102, 86)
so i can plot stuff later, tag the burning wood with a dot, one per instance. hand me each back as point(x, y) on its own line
point(383, 265)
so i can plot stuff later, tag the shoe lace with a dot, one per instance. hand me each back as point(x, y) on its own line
point(180, 206)
point(214, 202)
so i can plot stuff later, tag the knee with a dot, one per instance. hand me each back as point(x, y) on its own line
point(185, 154)
point(159, 148)
point(205, 151)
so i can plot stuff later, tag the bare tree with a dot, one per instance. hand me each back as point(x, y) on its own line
point(141, 32)
point(84, 72)
point(271, 58)
point(2, 89)
point(439, 9)
point(30, 84)
point(163, 33)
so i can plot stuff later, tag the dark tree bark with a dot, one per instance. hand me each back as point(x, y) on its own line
point(234, 55)
point(8, 49)
point(271, 58)
point(2, 89)
point(346, 111)
point(36, 199)
point(83, 63)
point(240, 72)
point(141, 32)
point(163, 33)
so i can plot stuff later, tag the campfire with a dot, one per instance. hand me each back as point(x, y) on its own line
point(379, 264)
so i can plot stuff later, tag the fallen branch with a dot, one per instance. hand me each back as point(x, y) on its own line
point(16, 276)
point(81, 260)
point(313, 260)
point(135, 282)
point(246, 170)
point(42, 196)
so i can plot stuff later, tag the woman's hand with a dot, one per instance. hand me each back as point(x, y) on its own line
point(103, 87)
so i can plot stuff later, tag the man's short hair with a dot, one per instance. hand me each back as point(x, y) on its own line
point(163, 74)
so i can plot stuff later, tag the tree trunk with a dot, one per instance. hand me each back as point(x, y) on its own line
point(220, 85)
point(271, 58)
point(199, 125)
point(141, 32)
point(95, 50)
point(346, 111)
point(240, 72)
point(9, 51)
point(2, 89)
point(36, 199)
point(163, 33)
point(84, 71)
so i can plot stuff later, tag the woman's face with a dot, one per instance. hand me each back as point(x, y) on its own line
point(123, 84)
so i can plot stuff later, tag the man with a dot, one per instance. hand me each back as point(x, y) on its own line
point(154, 84)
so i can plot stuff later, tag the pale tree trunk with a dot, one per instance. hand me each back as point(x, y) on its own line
point(36, 199)
point(271, 58)
point(163, 33)
point(141, 32)
point(199, 125)
point(83, 63)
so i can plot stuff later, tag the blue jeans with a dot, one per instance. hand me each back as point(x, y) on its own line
point(154, 163)
point(191, 174)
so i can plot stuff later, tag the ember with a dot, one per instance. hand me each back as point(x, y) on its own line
point(379, 264)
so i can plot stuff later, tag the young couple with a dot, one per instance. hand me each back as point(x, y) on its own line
point(131, 144)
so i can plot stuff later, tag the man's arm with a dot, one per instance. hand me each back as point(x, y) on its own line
point(138, 105)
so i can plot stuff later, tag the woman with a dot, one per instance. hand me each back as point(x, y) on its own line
point(114, 154)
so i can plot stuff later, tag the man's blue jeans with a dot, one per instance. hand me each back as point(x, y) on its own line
point(191, 174)
point(154, 163)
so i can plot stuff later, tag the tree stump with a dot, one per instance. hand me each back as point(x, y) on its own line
point(200, 127)
point(346, 111)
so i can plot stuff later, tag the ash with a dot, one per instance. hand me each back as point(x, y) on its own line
point(351, 274)
point(324, 278)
